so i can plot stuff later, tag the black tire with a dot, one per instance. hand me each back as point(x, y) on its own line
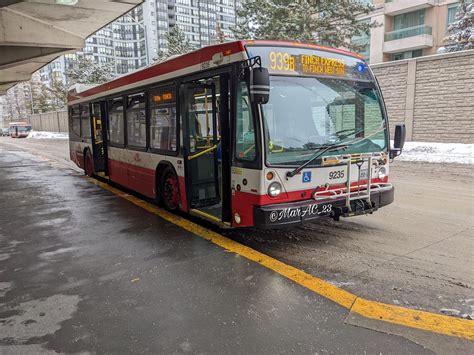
point(168, 190)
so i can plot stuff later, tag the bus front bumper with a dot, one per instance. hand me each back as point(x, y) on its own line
point(298, 212)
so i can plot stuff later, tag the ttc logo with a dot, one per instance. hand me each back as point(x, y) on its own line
point(306, 176)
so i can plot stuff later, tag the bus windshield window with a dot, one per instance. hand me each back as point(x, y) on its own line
point(305, 113)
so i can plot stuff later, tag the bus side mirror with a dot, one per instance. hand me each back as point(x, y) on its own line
point(399, 141)
point(259, 85)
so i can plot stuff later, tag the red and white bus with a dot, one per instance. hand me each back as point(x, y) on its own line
point(19, 129)
point(247, 133)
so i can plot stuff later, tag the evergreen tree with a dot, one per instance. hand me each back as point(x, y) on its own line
point(47, 98)
point(178, 44)
point(329, 22)
point(461, 33)
point(58, 95)
point(88, 71)
point(42, 100)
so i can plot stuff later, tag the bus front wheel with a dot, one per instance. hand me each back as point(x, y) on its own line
point(88, 166)
point(170, 189)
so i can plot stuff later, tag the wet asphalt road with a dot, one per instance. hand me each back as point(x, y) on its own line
point(417, 252)
point(83, 270)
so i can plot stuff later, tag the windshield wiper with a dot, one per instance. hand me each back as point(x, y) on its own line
point(327, 148)
point(348, 132)
point(321, 150)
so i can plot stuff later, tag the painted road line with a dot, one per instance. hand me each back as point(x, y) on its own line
point(412, 318)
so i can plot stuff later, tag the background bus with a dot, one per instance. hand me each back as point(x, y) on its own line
point(19, 129)
point(246, 133)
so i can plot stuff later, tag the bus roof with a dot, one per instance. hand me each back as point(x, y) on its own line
point(203, 58)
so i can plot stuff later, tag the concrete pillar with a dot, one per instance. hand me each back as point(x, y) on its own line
point(377, 39)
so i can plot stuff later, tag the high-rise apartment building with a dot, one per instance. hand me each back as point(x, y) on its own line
point(198, 19)
point(408, 28)
point(122, 43)
point(135, 39)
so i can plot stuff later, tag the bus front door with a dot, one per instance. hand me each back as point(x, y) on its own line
point(99, 138)
point(202, 148)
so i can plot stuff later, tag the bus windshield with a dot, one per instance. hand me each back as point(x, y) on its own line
point(305, 113)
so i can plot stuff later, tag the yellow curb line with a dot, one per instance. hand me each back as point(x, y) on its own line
point(412, 318)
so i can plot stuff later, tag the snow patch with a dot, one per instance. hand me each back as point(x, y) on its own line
point(47, 135)
point(438, 152)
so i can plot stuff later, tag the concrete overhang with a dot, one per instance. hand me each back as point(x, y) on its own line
point(408, 44)
point(35, 32)
point(397, 7)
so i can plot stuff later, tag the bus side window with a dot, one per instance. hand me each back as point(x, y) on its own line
point(76, 120)
point(245, 126)
point(115, 128)
point(136, 120)
point(163, 119)
point(85, 121)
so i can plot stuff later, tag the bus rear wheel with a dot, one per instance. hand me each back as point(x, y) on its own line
point(88, 166)
point(170, 190)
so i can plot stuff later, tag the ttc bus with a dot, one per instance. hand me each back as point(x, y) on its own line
point(243, 134)
point(19, 129)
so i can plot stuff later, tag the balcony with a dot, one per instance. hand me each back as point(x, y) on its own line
point(406, 39)
point(397, 7)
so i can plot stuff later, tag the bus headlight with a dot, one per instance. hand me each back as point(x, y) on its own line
point(274, 189)
point(382, 173)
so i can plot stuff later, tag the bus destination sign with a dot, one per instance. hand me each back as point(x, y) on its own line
point(310, 62)
point(306, 64)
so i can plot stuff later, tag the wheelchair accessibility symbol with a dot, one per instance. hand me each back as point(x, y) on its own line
point(307, 176)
